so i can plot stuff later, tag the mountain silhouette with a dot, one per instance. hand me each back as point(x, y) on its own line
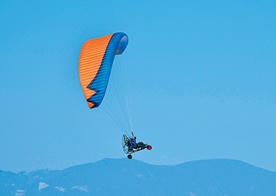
point(131, 177)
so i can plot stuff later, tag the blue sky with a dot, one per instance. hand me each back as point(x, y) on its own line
point(201, 81)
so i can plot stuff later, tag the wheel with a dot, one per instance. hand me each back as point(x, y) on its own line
point(129, 156)
point(149, 147)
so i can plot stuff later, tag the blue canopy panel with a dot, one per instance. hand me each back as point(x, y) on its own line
point(116, 46)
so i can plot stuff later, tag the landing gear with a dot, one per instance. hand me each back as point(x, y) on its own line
point(129, 156)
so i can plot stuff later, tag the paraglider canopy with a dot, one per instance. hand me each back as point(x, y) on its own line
point(96, 59)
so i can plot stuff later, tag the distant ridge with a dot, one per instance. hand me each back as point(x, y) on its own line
point(122, 176)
